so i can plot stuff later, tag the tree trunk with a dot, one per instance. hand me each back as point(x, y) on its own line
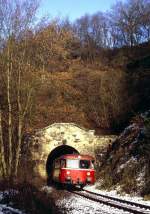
point(2, 154)
point(19, 123)
point(9, 67)
point(18, 146)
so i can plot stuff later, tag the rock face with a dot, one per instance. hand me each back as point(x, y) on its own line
point(55, 140)
point(126, 163)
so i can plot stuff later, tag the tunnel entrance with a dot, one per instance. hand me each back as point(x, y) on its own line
point(56, 153)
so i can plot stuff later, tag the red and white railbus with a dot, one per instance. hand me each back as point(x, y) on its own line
point(74, 169)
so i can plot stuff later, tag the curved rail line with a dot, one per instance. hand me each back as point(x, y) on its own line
point(143, 206)
point(129, 206)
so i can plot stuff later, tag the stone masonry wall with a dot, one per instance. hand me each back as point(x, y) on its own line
point(46, 140)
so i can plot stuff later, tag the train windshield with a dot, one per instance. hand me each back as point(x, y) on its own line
point(72, 163)
point(85, 164)
point(82, 164)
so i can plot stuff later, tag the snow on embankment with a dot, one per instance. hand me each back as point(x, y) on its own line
point(25, 198)
point(6, 207)
point(115, 194)
point(126, 163)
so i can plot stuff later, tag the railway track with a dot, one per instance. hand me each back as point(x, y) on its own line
point(125, 205)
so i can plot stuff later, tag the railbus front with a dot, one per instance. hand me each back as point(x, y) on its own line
point(74, 169)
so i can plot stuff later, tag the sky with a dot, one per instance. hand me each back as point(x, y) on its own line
point(73, 8)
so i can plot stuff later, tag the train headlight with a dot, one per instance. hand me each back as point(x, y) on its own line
point(68, 172)
point(88, 173)
point(68, 178)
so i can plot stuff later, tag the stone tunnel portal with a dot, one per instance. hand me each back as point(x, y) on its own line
point(56, 153)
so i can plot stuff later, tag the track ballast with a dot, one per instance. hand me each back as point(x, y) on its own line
point(125, 205)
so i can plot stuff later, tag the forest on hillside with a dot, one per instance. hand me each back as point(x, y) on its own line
point(94, 71)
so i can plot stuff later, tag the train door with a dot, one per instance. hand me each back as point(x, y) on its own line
point(56, 171)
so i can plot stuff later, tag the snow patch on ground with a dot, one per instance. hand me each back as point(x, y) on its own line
point(114, 193)
point(78, 205)
point(129, 129)
point(47, 189)
point(6, 208)
point(69, 203)
point(131, 161)
point(140, 178)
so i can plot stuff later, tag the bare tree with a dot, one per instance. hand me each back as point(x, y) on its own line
point(129, 22)
point(99, 29)
point(16, 20)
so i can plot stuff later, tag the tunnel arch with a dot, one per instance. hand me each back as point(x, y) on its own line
point(57, 139)
point(56, 153)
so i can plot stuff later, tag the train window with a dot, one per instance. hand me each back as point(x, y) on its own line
point(74, 164)
point(85, 164)
point(63, 163)
point(57, 164)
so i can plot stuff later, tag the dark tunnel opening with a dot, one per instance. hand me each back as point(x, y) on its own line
point(56, 153)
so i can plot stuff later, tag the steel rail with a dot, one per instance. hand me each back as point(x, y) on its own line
point(143, 206)
point(111, 202)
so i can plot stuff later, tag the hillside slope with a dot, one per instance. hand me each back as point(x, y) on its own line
point(86, 96)
point(126, 163)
